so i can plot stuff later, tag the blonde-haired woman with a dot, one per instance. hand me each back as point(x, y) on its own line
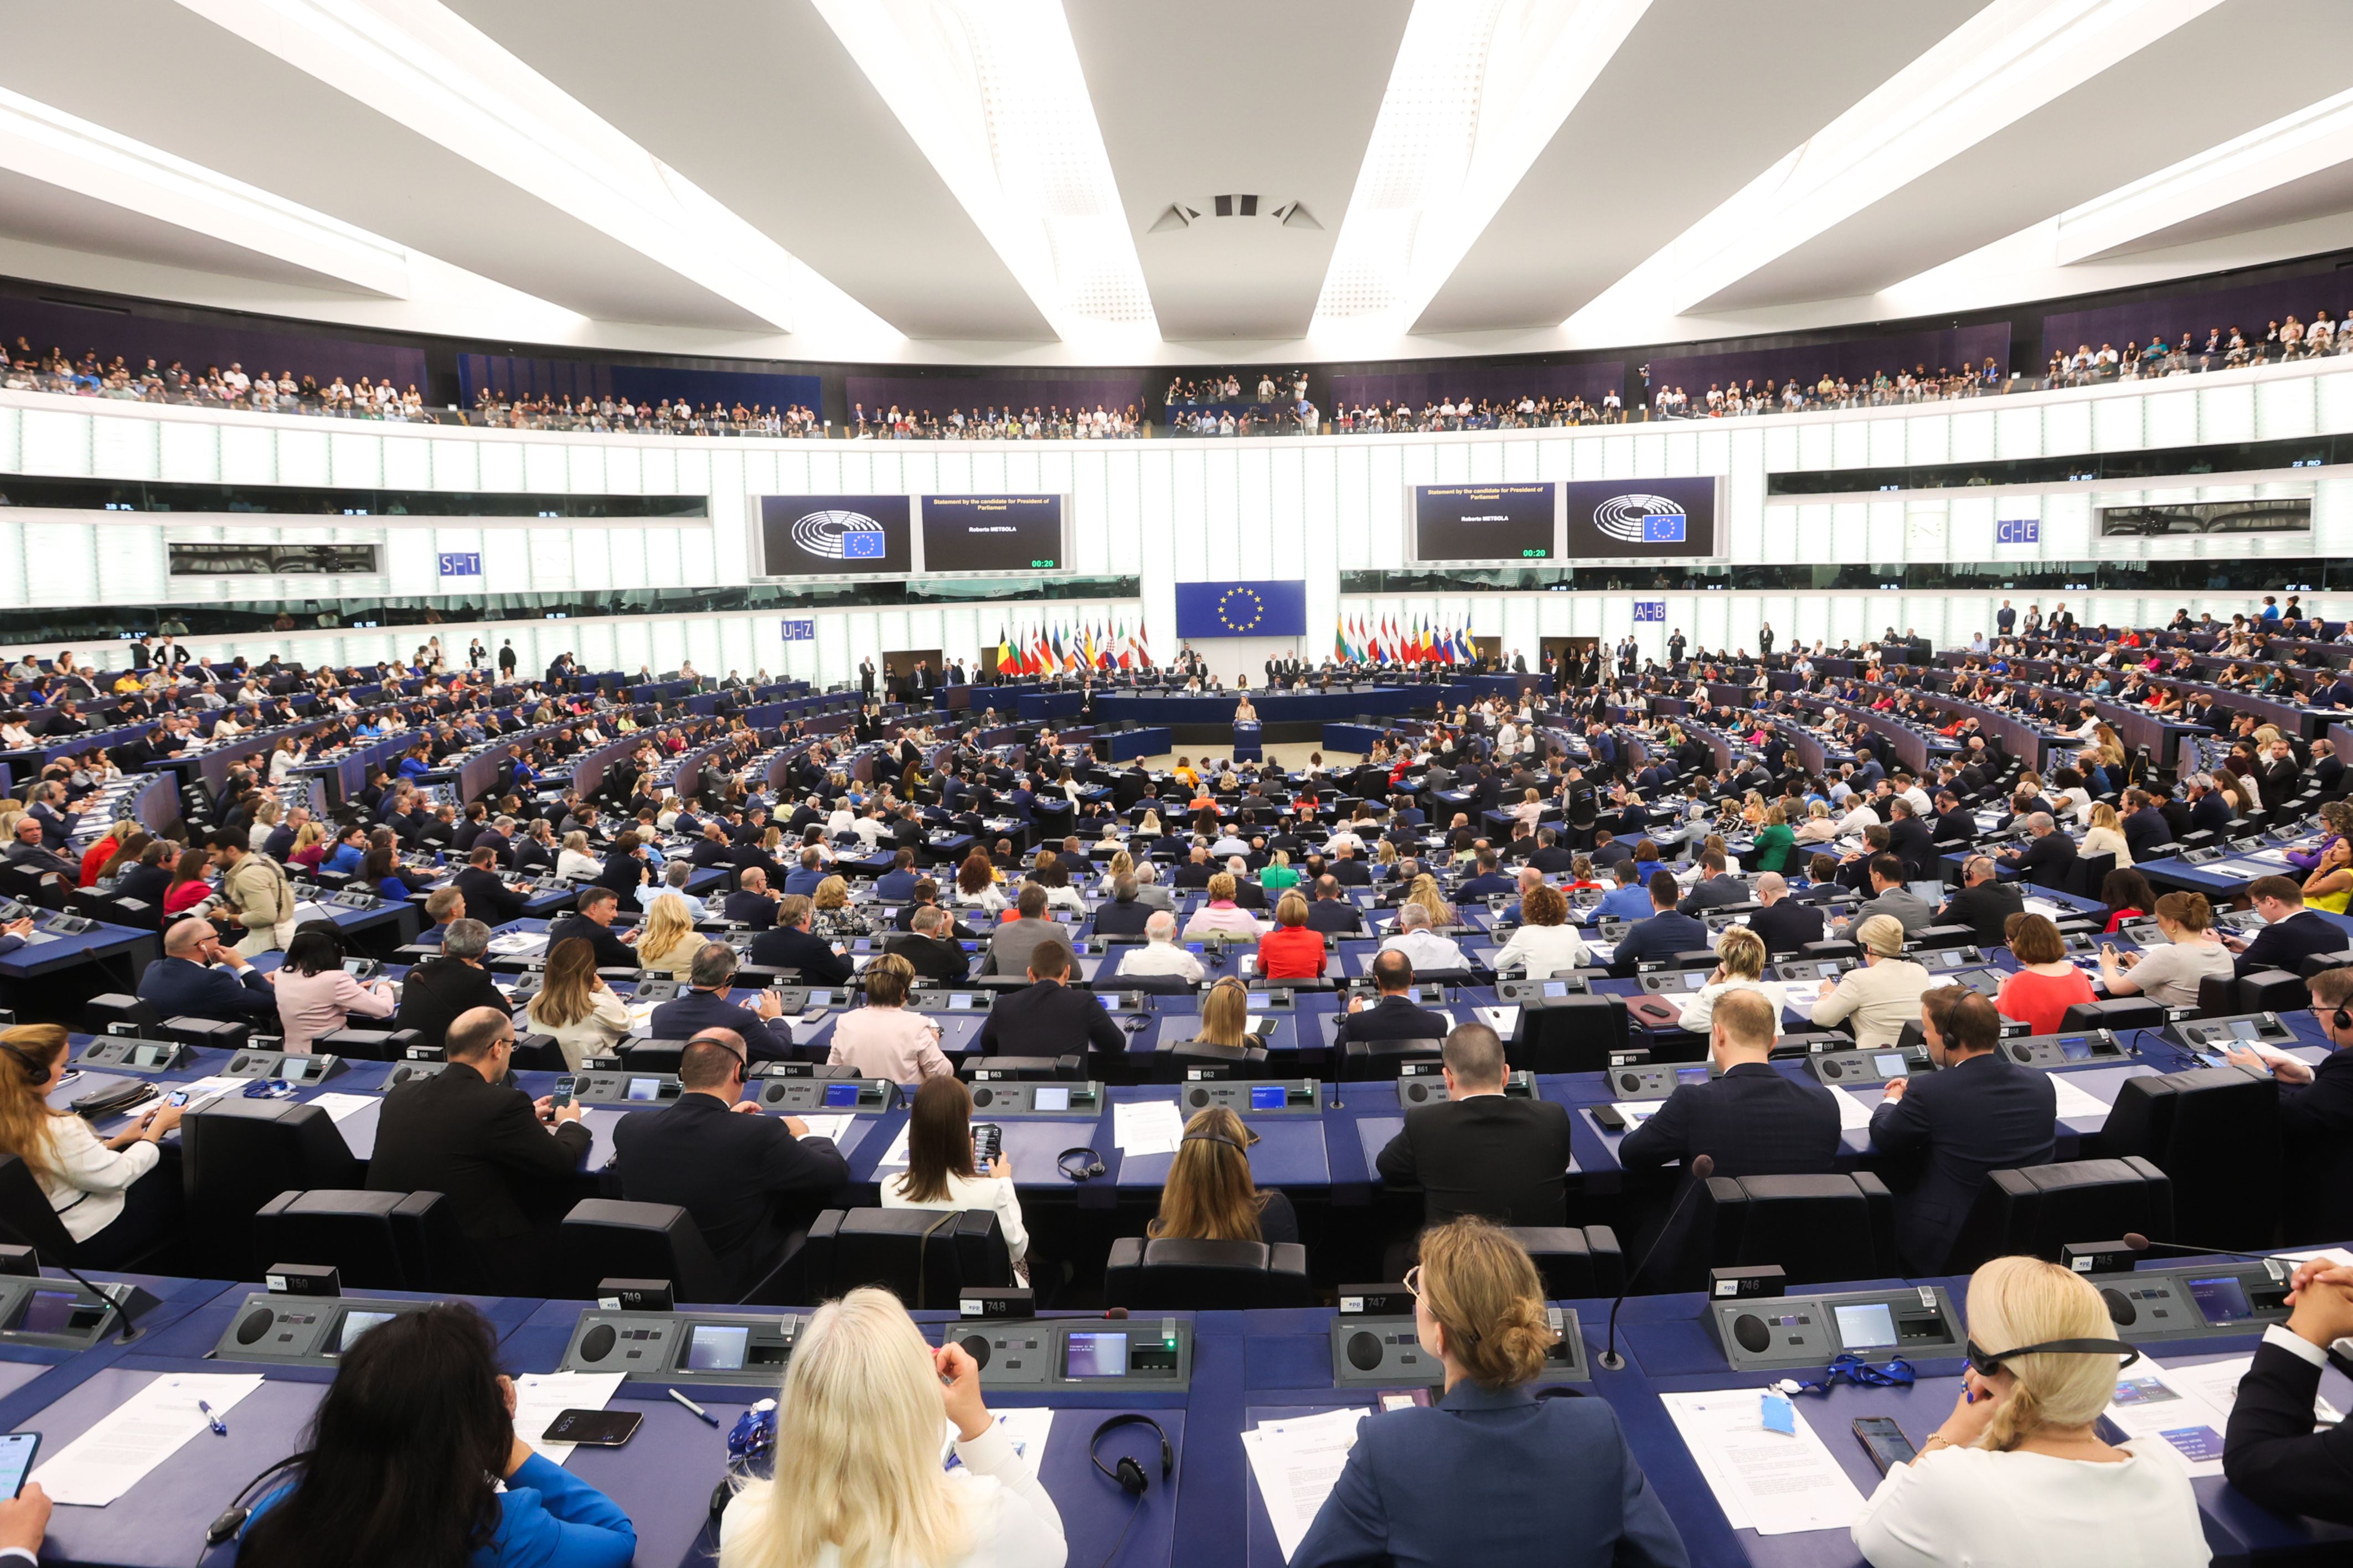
point(1489, 1474)
point(669, 941)
point(2105, 835)
point(1424, 892)
point(102, 1192)
point(1220, 914)
point(575, 864)
point(1122, 864)
point(575, 1006)
point(857, 1480)
point(1739, 966)
point(2018, 1472)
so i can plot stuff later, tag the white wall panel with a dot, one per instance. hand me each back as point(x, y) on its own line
point(124, 450)
point(56, 442)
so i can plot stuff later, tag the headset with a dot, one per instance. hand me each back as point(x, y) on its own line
point(1089, 1168)
point(1987, 1364)
point(233, 1518)
point(1129, 1474)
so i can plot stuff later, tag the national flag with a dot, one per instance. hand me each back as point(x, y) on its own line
point(1004, 648)
point(1041, 652)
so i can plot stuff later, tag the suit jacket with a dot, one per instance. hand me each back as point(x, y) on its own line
point(1755, 1120)
point(2316, 1129)
point(788, 947)
point(439, 989)
point(1338, 917)
point(726, 1169)
point(1985, 908)
point(1668, 933)
point(1390, 1018)
point(1981, 1114)
point(2288, 943)
point(510, 1178)
point(488, 900)
point(1489, 1155)
point(1010, 945)
point(183, 988)
point(2272, 1453)
point(2045, 861)
point(755, 909)
point(2144, 831)
point(1116, 919)
point(685, 1016)
point(1712, 893)
point(1787, 925)
point(934, 959)
point(611, 950)
point(1047, 1019)
point(1910, 841)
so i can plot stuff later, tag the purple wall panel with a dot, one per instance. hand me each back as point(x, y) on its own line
point(1859, 357)
point(2248, 309)
point(141, 338)
point(940, 394)
point(1419, 387)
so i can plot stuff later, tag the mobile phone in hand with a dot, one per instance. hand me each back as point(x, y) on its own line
point(988, 1141)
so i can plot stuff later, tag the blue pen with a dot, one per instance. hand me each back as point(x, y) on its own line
point(220, 1427)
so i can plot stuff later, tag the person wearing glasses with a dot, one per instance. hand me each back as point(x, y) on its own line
point(509, 1163)
point(2018, 1472)
point(1489, 1474)
point(2315, 1109)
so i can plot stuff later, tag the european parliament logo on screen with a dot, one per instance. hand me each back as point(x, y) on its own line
point(1641, 520)
point(840, 536)
point(834, 535)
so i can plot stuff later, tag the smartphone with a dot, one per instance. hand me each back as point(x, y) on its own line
point(16, 1451)
point(1885, 1441)
point(1610, 1118)
point(987, 1140)
point(179, 1097)
point(601, 1429)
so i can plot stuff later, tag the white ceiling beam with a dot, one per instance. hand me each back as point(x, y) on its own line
point(426, 67)
point(48, 144)
point(1479, 89)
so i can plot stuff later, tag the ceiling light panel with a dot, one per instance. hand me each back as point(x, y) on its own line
point(1479, 88)
point(991, 90)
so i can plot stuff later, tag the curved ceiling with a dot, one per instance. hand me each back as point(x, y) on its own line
point(1074, 181)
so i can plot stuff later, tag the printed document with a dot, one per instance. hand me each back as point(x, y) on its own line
point(138, 1435)
point(1146, 1127)
point(342, 1108)
point(2074, 1103)
point(1296, 1463)
point(1027, 1425)
point(2152, 1403)
point(1854, 1111)
point(1772, 1483)
point(836, 1126)
point(541, 1396)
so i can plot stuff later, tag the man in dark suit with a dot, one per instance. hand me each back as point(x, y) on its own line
point(930, 947)
point(1715, 888)
point(1977, 1114)
point(1125, 914)
point(2291, 933)
point(183, 984)
point(1349, 871)
point(1984, 904)
point(507, 1165)
point(2210, 809)
point(592, 921)
point(1394, 1015)
point(2048, 856)
point(1909, 839)
point(894, 885)
point(792, 946)
point(751, 904)
point(1490, 882)
point(2316, 1112)
point(488, 897)
point(1752, 1121)
point(2272, 1452)
point(1550, 855)
point(1196, 871)
point(1331, 912)
point(765, 1031)
point(1667, 931)
point(1784, 924)
point(1952, 823)
point(1047, 1018)
point(728, 1170)
point(439, 989)
point(1479, 1151)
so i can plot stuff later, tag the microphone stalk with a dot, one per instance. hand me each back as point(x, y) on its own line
point(1701, 1167)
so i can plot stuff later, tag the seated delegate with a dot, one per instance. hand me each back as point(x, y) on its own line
point(2272, 1453)
point(104, 1194)
point(1209, 1194)
point(943, 1172)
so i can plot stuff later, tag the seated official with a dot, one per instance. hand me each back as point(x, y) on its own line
point(1883, 994)
point(486, 892)
point(898, 883)
point(1332, 911)
point(1891, 896)
point(1667, 931)
point(707, 1006)
point(1984, 904)
point(1785, 924)
point(1544, 944)
point(1944, 1133)
point(790, 944)
point(857, 1457)
point(1739, 966)
point(714, 1155)
point(2316, 1112)
point(883, 1039)
point(1752, 1121)
point(1629, 901)
point(510, 1163)
point(2272, 1453)
point(1489, 1474)
point(592, 918)
point(751, 904)
point(1209, 1195)
point(585, 1016)
point(438, 990)
point(184, 983)
point(1291, 951)
point(2291, 933)
point(1046, 1017)
point(2170, 973)
point(2018, 1472)
point(1715, 888)
point(943, 1172)
point(1160, 954)
point(668, 940)
point(316, 995)
point(1225, 1015)
point(1480, 1151)
point(2045, 984)
point(1423, 947)
point(1125, 914)
point(1393, 1014)
point(929, 950)
point(1220, 914)
point(103, 1192)
point(1010, 943)
point(2048, 856)
point(419, 1426)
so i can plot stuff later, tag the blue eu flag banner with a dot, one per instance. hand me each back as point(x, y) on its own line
point(1253, 609)
point(1664, 528)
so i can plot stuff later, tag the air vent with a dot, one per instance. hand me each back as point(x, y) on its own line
point(1181, 215)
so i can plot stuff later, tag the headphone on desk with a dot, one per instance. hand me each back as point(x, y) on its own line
point(1090, 1165)
point(1129, 1474)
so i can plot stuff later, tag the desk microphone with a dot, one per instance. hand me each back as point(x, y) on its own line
point(2139, 1243)
point(1701, 1167)
point(117, 1307)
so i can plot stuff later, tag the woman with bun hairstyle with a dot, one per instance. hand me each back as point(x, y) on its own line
point(2171, 975)
point(1490, 1475)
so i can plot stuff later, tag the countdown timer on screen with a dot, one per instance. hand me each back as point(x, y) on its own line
point(993, 533)
point(1484, 523)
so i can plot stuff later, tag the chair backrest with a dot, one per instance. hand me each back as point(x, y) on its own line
point(2273, 991)
point(2087, 875)
point(238, 1154)
point(603, 1238)
point(1150, 984)
point(2216, 1133)
point(1375, 1060)
point(29, 1213)
point(2218, 994)
point(2118, 1012)
point(214, 1034)
point(926, 1257)
point(2038, 1210)
point(1023, 1068)
point(116, 1007)
point(366, 1045)
point(1577, 1263)
point(1179, 1275)
point(1173, 1059)
point(1569, 1034)
point(1818, 1228)
point(374, 1241)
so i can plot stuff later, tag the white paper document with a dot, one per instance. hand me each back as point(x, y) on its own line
point(2216, 1382)
point(540, 1397)
point(1771, 1482)
point(1504, 1021)
point(2074, 1103)
point(1636, 1112)
point(1803, 994)
point(835, 1127)
point(518, 942)
point(2153, 1405)
point(1028, 1427)
point(342, 1108)
point(206, 1087)
point(138, 1435)
point(1296, 1463)
point(1602, 953)
point(1855, 1111)
point(1147, 1127)
point(894, 1158)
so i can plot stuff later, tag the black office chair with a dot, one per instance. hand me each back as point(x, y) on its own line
point(2118, 1012)
point(2273, 991)
point(926, 1257)
point(1932, 938)
point(603, 1238)
point(1175, 1060)
point(1023, 1069)
point(1172, 1275)
point(1818, 1228)
point(366, 1045)
point(1362, 1060)
point(2215, 1131)
point(374, 1241)
point(214, 1032)
point(2087, 875)
point(1831, 947)
point(2315, 963)
point(1577, 1264)
point(2218, 995)
point(30, 1217)
point(114, 1007)
point(1569, 1034)
point(2038, 1210)
point(1149, 984)
point(238, 1154)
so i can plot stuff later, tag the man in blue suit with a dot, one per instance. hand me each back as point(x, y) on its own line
point(1629, 901)
point(897, 884)
point(1667, 933)
point(1977, 1114)
point(183, 984)
point(767, 1034)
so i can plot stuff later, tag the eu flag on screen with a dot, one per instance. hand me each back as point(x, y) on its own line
point(1662, 528)
point(1263, 609)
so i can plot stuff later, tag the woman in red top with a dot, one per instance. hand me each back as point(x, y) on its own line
point(1291, 951)
point(103, 849)
point(2045, 985)
point(188, 887)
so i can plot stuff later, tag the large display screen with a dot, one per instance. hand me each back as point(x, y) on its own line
point(1484, 523)
point(993, 533)
point(1640, 520)
point(835, 536)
